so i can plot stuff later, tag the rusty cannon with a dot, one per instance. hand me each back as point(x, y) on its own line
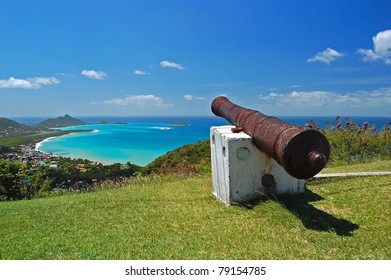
point(302, 152)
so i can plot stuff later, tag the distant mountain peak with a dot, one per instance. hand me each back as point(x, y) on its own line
point(66, 120)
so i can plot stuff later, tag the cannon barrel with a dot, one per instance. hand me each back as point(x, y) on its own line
point(302, 152)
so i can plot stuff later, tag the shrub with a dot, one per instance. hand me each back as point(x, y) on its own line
point(352, 142)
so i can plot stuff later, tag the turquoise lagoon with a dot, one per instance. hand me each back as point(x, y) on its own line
point(135, 140)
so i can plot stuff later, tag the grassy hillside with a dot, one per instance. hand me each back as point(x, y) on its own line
point(189, 159)
point(166, 217)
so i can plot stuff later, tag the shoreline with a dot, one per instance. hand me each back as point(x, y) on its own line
point(38, 145)
point(105, 162)
point(135, 154)
point(71, 132)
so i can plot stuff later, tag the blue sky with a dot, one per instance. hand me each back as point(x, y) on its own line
point(117, 57)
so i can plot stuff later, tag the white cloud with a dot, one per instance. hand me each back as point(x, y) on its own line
point(326, 56)
point(192, 97)
point(306, 99)
point(166, 63)
point(140, 72)
point(381, 48)
point(92, 74)
point(66, 75)
point(138, 100)
point(30, 83)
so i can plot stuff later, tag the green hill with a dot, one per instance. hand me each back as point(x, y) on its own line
point(7, 123)
point(10, 127)
point(66, 120)
point(189, 159)
point(168, 217)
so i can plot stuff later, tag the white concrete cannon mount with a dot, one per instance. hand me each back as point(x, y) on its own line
point(242, 173)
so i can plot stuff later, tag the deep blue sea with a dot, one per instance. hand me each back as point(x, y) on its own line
point(140, 140)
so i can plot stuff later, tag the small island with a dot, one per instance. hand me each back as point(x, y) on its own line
point(178, 124)
point(106, 122)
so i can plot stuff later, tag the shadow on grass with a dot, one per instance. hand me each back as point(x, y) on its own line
point(311, 217)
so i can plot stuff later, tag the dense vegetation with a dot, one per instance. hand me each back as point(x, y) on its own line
point(17, 182)
point(26, 181)
point(353, 143)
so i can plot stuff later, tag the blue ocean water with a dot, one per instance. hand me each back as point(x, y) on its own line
point(140, 140)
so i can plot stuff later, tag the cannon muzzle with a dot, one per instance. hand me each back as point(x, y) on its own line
point(302, 152)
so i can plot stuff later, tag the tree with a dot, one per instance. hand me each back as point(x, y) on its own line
point(11, 181)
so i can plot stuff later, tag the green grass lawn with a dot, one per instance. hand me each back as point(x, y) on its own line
point(177, 218)
point(379, 165)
